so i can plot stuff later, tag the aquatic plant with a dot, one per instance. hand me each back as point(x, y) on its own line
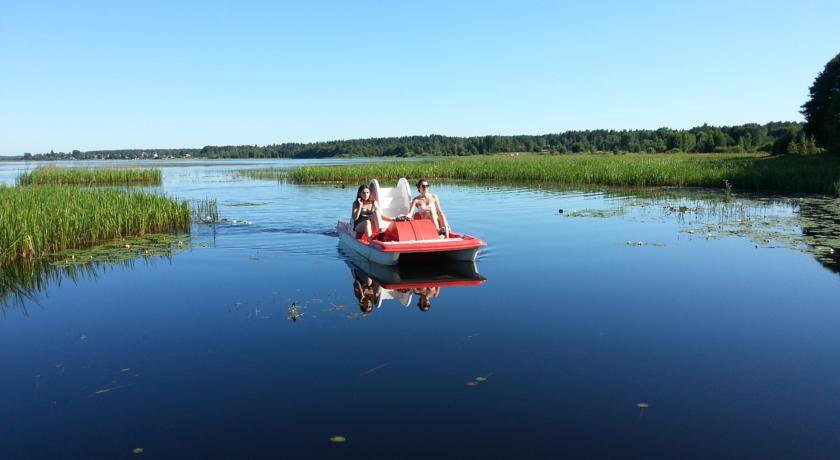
point(206, 211)
point(52, 175)
point(248, 203)
point(36, 222)
point(262, 173)
point(753, 172)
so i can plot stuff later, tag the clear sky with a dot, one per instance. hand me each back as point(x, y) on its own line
point(101, 75)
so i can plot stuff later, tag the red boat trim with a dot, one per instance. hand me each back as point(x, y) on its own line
point(442, 283)
point(442, 245)
point(456, 242)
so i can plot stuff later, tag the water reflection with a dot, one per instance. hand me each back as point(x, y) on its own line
point(809, 224)
point(416, 282)
point(22, 284)
point(820, 225)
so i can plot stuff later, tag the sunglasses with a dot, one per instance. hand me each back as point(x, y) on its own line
point(424, 185)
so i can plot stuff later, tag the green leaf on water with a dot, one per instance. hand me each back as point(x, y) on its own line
point(338, 439)
point(642, 405)
point(480, 379)
point(137, 450)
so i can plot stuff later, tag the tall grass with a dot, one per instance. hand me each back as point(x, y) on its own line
point(752, 172)
point(262, 173)
point(51, 175)
point(39, 221)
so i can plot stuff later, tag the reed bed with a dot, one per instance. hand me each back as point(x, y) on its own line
point(751, 172)
point(262, 173)
point(52, 175)
point(36, 222)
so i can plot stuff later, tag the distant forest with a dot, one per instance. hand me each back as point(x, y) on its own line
point(776, 137)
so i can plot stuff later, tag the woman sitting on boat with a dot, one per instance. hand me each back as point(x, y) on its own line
point(365, 212)
point(427, 206)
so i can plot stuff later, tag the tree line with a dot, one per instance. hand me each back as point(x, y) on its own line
point(776, 137)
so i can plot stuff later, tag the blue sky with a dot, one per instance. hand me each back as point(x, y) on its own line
point(100, 75)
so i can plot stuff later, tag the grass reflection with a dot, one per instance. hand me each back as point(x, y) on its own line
point(22, 283)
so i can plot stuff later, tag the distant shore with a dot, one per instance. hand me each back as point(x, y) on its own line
point(776, 137)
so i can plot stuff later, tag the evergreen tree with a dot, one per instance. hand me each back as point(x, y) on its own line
point(822, 111)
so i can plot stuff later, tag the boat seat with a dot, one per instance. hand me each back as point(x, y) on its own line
point(393, 201)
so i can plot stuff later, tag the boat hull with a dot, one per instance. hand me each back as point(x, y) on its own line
point(460, 247)
point(366, 251)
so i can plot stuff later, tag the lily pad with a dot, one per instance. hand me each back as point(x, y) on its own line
point(248, 204)
point(338, 439)
point(596, 213)
point(642, 405)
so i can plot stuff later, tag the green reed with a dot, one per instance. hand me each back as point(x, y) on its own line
point(262, 173)
point(205, 211)
point(40, 221)
point(52, 175)
point(753, 172)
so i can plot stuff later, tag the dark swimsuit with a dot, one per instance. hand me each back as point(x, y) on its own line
point(366, 214)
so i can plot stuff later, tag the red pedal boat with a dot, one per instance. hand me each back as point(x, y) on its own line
point(418, 236)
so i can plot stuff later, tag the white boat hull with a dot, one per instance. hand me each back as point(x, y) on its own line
point(350, 241)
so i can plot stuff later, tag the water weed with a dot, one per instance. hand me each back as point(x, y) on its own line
point(205, 211)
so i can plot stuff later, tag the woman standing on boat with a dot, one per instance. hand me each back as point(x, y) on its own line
point(427, 206)
point(365, 210)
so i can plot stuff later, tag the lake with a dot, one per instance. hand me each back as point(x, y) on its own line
point(636, 323)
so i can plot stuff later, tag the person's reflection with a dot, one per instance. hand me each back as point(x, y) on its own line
point(368, 291)
point(424, 294)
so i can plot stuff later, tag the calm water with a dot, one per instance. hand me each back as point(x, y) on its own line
point(725, 321)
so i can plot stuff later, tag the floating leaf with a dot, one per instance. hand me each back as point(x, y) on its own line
point(248, 204)
point(642, 405)
point(137, 450)
point(481, 379)
point(338, 439)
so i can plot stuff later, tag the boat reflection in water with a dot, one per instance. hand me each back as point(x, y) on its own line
point(418, 282)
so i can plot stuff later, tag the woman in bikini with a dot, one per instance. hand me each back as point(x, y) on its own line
point(427, 206)
point(365, 210)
